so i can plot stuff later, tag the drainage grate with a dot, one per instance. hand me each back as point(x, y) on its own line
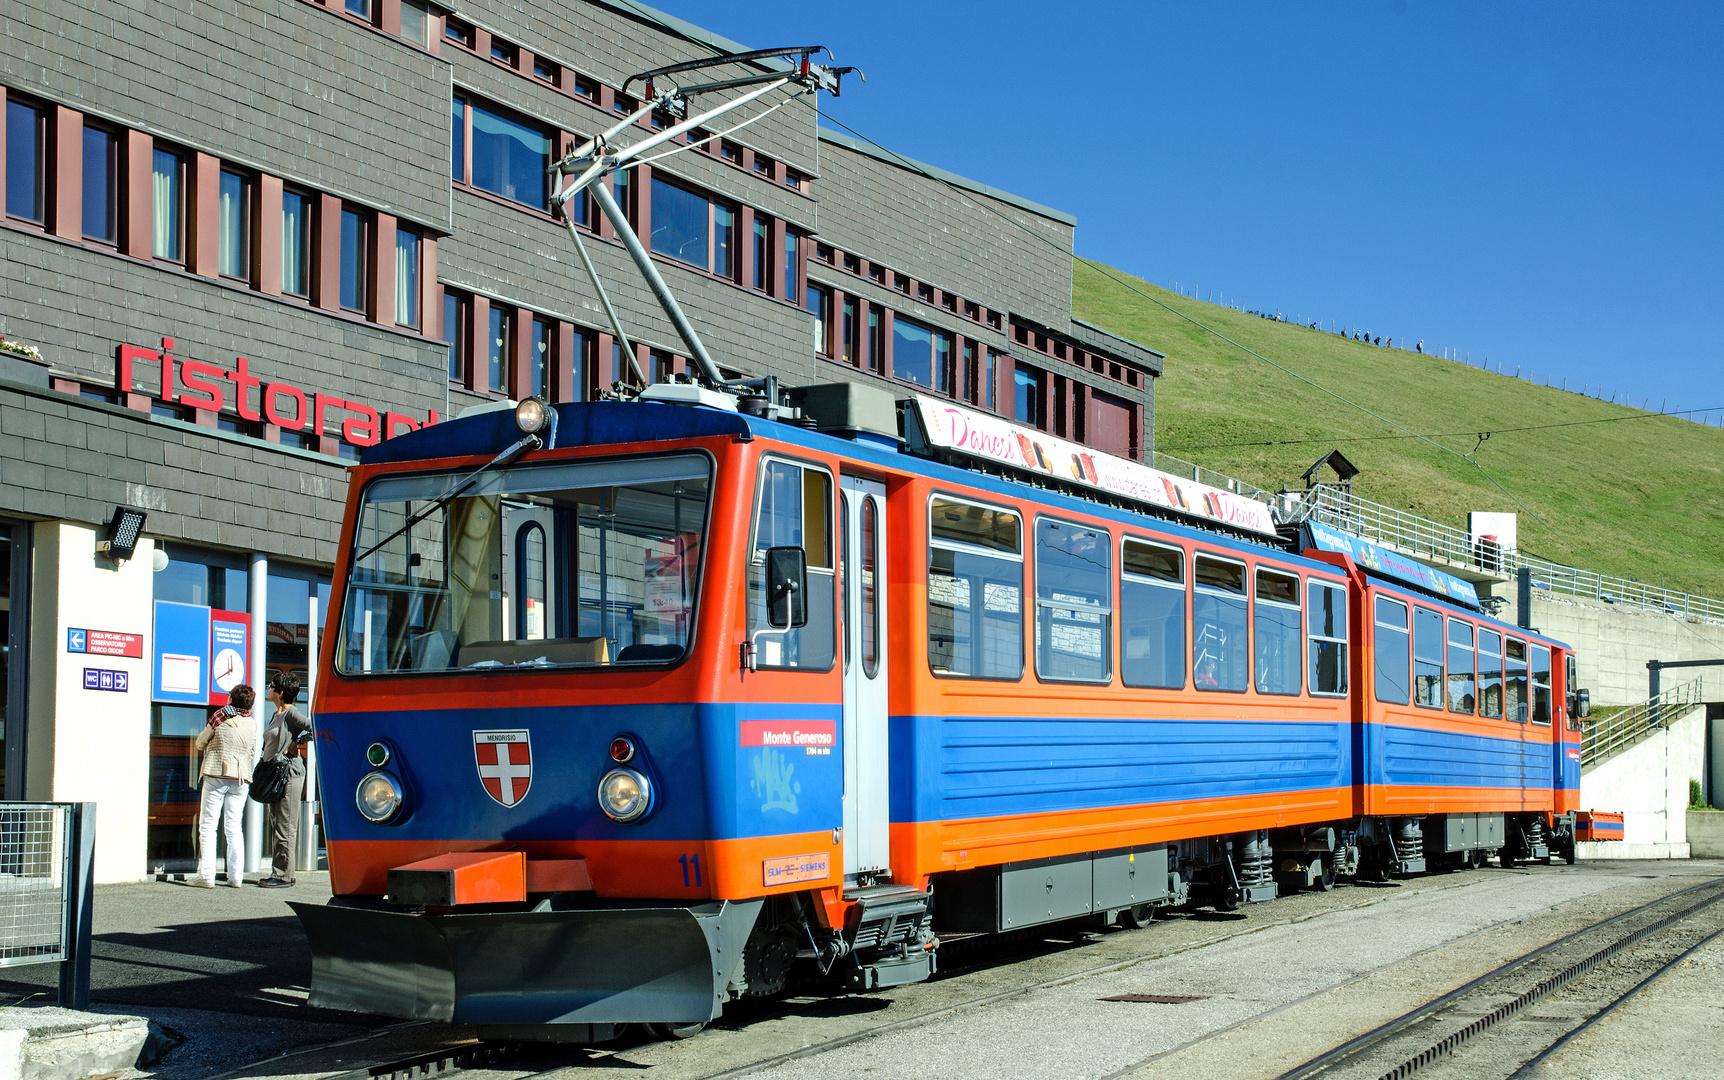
point(1155, 999)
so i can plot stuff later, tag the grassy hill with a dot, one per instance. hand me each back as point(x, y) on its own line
point(1640, 498)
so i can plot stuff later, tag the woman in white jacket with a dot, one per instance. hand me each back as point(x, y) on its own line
point(228, 745)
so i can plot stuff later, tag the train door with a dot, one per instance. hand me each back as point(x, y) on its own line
point(866, 833)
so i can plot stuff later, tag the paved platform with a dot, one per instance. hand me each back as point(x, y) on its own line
point(223, 972)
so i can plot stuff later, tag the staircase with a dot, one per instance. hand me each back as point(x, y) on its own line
point(1605, 737)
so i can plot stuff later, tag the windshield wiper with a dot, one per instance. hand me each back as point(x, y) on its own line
point(528, 442)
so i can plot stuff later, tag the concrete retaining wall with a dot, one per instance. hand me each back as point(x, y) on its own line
point(1648, 784)
point(1706, 834)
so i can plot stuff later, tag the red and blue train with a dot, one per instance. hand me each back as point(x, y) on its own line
point(642, 703)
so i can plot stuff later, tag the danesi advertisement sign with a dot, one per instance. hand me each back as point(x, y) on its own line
point(945, 426)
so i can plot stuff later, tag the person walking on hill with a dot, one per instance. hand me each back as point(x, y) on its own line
point(285, 738)
point(1421, 345)
point(228, 745)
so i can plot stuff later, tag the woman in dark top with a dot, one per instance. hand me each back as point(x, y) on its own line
point(285, 737)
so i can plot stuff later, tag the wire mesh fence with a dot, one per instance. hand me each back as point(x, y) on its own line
point(36, 882)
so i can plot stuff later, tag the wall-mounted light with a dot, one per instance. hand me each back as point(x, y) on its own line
point(123, 533)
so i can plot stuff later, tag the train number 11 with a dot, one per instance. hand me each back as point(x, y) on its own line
point(690, 862)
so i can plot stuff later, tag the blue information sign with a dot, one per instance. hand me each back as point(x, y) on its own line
point(1380, 560)
point(104, 679)
point(182, 653)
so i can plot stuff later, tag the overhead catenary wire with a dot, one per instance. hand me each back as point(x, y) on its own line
point(1108, 273)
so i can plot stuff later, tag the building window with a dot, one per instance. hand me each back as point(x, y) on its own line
point(680, 221)
point(497, 370)
point(546, 70)
point(790, 265)
point(167, 203)
point(921, 355)
point(360, 9)
point(587, 88)
point(760, 253)
point(454, 332)
point(820, 306)
point(458, 32)
point(504, 52)
point(581, 346)
point(876, 338)
point(101, 184)
point(458, 141)
point(26, 142)
point(730, 152)
point(990, 373)
point(847, 342)
point(415, 23)
point(406, 277)
point(724, 241)
point(1027, 397)
point(295, 243)
point(792, 178)
point(233, 237)
point(509, 158)
point(539, 378)
point(355, 239)
point(763, 165)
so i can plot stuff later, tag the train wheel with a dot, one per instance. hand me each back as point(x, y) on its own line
point(1132, 918)
point(1475, 859)
point(674, 1032)
point(1324, 879)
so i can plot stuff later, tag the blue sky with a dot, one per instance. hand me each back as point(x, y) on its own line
point(1538, 183)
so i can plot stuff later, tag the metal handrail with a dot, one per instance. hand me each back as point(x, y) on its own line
point(1167, 463)
point(1419, 536)
point(1608, 736)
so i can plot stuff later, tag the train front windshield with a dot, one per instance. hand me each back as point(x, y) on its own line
point(591, 564)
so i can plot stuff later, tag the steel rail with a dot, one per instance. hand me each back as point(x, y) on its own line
point(1530, 1068)
point(1354, 1047)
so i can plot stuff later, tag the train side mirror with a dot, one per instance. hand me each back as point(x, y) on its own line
point(1583, 703)
point(787, 586)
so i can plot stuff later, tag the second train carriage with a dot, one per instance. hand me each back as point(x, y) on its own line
point(646, 707)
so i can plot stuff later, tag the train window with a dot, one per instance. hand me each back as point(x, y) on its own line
point(617, 585)
point(1074, 602)
point(1391, 651)
point(1514, 680)
point(1461, 685)
point(1540, 684)
point(975, 590)
point(1490, 675)
point(1328, 631)
point(1275, 623)
point(794, 510)
point(1151, 615)
point(1427, 658)
point(868, 585)
point(1571, 692)
point(1218, 635)
point(530, 581)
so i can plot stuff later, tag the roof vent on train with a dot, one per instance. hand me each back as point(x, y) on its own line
point(849, 410)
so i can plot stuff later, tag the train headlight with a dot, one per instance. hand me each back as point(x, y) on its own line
point(533, 416)
point(625, 795)
point(379, 797)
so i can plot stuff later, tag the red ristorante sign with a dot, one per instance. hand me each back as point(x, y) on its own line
point(201, 386)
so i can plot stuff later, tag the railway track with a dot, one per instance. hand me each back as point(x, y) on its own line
point(1582, 978)
point(1414, 1036)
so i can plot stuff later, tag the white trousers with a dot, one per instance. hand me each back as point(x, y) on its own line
point(223, 799)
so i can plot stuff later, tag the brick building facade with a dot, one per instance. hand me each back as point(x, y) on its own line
point(251, 237)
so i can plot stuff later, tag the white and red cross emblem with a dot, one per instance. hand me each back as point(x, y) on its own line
point(505, 760)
